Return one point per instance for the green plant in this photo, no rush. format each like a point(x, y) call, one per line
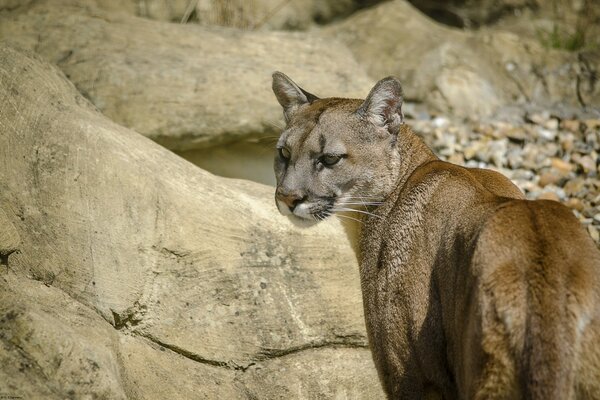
point(560, 39)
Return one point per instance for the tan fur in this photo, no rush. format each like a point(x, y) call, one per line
point(470, 291)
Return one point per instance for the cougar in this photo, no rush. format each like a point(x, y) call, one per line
point(470, 291)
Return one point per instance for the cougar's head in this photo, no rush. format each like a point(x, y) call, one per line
point(335, 155)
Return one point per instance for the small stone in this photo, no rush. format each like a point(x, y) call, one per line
point(549, 177)
point(546, 134)
point(567, 141)
point(570, 125)
point(484, 129)
point(575, 204)
point(590, 213)
point(592, 139)
point(592, 123)
point(471, 150)
point(456, 158)
point(539, 118)
point(594, 233)
point(587, 163)
point(549, 196)
point(523, 174)
point(551, 124)
point(516, 135)
point(514, 158)
point(574, 187)
point(440, 122)
point(561, 165)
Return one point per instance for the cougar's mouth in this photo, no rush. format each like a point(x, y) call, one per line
point(308, 211)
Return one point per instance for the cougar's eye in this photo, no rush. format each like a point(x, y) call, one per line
point(329, 160)
point(284, 153)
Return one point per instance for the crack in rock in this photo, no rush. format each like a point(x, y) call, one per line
point(265, 355)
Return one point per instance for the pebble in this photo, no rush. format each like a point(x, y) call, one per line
point(549, 177)
point(561, 165)
point(546, 157)
point(575, 204)
point(593, 231)
point(570, 125)
point(574, 186)
point(551, 124)
point(547, 134)
point(587, 163)
point(549, 196)
point(592, 123)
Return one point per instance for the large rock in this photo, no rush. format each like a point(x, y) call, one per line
point(141, 276)
point(255, 14)
point(184, 86)
point(275, 14)
point(465, 73)
point(471, 13)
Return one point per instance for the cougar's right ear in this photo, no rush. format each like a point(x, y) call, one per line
point(290, 95)
point(383, 106)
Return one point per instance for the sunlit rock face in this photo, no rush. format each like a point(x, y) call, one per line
point(139, 275)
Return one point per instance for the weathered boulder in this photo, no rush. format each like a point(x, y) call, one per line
point(255, 14)
point(141, 276)
point(465, 73)
point(162, 10)
point(185, 86)
point(275, 14)
point(470, 13)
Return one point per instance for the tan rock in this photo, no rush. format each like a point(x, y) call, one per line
point(184, 86)
point(592, 123)
point(567, 142)
point(593, 231)
point(549, 196)
point(193, 269)
point(563, 166)
point(587, 163)
point(575, 204)
point(465, 73)
point(571, 125)
point(549, 177)
point(574, 186)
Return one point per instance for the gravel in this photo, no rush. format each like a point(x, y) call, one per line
point(547, 156)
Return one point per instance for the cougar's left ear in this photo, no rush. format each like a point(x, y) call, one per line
point(290, 95)
point(383, 106)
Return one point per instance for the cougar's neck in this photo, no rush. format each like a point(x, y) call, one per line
point(412, 153)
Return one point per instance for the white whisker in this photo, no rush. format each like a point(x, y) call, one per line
point(337, 209)
point(345, 216)
point(362, 203)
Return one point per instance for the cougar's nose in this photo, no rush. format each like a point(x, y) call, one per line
point(290, 198)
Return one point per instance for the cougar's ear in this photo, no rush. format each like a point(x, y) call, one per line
point(290, 95)
point(383, 106)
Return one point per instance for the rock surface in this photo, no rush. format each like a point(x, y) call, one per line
point(141, 276)
point(9, 238)
point(243, 14)
point(465, 73)
point(183, 86)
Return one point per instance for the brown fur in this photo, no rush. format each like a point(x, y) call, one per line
point(469, 290)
